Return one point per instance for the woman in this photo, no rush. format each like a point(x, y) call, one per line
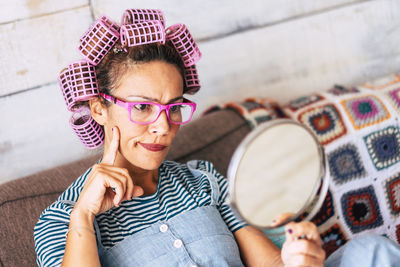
point(132, 207)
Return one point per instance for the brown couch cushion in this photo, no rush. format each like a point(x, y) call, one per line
point(212, 137)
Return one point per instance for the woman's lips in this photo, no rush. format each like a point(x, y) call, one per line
point(153, 147)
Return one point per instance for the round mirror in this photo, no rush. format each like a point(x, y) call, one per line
point(277, 172)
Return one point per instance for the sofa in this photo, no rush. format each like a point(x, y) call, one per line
point(357, 126)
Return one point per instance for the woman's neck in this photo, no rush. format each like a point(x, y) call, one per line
point(147, 179)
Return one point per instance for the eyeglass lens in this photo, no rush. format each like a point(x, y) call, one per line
point(143, 113)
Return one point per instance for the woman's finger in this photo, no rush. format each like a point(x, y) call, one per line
point(301, 260)
point(306, 247)
point(110, 152)
point(281, 218)
point(306, 230)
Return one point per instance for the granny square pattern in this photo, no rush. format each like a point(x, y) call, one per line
point(395, 97)
point(304, 101)
point(398, 233)
point(341, 90)
point(345, 164)
point(326, 211)
point(384, 147)
point(332, 239)
point(361, 209)
point(325, 121)
point(365, 111)
point(392, 191)
point(359, 130)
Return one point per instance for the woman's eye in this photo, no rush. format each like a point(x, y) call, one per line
point(141, 107)
point(176, 108)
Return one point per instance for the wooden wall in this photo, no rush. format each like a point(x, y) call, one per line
point(281, 49)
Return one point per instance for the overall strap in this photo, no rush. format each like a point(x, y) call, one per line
point(192, 165)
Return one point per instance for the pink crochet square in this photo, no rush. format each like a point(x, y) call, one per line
point(184, 44)
point(142, 33)
point(86, 128)
point(132, 16)
point(99, 39)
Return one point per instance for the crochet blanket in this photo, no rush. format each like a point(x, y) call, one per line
point(359, 130)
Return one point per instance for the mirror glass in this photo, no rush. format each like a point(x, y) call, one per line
point(276, 170)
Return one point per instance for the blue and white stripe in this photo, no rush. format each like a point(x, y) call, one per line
point(178, 191)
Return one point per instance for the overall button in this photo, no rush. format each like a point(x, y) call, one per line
point(163, 228)
point(178, 243)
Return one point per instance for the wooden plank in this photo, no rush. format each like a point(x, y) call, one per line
point(347, 46)
point(34, 51)
point(23, 9)
point(36, 134)
point(210, 19)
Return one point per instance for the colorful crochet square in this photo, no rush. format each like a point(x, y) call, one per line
point(255, 112)
point(341, 90)
point(395, 97)
point(392, 192)
point(384, 147)
point(398, 233)
point(333, 239)
point(325, 122)
point(304, 101)
point(365, 111)
point(361, 210)
point(383, 83)
point(326, 211)
point(345, 164)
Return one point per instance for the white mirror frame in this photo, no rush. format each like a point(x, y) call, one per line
point(238, 155)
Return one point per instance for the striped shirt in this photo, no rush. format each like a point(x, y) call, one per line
point(177, 191)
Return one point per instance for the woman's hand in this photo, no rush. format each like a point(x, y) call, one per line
point(107, 185)
point(303, 245)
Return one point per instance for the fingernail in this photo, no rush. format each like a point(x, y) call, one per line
point(112, 129)
point(290, 231)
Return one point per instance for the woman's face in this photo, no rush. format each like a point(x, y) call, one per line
point(158, 82)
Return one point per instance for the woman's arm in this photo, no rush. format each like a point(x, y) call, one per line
point(81, 247)
point(256, 249)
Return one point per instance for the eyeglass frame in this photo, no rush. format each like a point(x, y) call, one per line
point(129, 105)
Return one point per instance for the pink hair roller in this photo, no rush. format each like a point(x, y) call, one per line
point(64, 81)
point(141, 33)
point(83, 80)
point(99, 39)
point(192, 81)
point(88, 130)
point(184, 44)
point(132, 16)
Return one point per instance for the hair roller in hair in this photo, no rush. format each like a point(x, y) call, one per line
point(64, 81)
point(86, 128)
point(99, 39)
point(184, 44)
point(132, 16)
point(142, 33)
point(83, 80)
point(192, 82)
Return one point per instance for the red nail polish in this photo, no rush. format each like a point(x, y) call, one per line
point(290, 231)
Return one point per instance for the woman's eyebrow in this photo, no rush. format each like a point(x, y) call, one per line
point(156, 100)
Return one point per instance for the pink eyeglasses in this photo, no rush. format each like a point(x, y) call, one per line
point(148, 112)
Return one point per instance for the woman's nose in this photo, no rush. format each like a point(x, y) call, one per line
point(161, 126)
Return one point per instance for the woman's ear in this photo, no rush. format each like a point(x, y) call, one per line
point(98, 110)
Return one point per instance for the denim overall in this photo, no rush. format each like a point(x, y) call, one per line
point(197, 237)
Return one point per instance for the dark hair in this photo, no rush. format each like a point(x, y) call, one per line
point(115, 65)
